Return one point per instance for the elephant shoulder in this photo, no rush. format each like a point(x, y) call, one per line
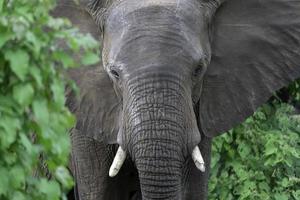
point(96, 107)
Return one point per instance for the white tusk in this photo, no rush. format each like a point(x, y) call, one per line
point(198, 159)
point(117, 163)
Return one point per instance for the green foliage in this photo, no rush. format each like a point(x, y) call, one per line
point(33, 118)
point(259, 159)
point(294, 91)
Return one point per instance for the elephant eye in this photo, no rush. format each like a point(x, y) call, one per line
point(198, 70)
point(114, 73)
point(114, 70)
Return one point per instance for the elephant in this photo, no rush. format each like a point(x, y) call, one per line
point(173, 75)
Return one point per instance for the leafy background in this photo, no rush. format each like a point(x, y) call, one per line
point(260, 159)
point(257, 160)
point(35, 51)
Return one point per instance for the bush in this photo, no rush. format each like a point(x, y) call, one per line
point(34, 120)
point(260, 159)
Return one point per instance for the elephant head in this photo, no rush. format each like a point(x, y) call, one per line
point(180, 69)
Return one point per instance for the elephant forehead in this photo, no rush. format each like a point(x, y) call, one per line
point(136, 4)
point(156, 30)
point(187, 13)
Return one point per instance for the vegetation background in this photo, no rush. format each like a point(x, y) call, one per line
point(257, 160)
point(260, 159)
point(35, 51)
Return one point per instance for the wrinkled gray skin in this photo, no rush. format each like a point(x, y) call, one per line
point(175, 74)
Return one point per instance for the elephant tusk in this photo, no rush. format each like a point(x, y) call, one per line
point(117, 163)
point(198, 159)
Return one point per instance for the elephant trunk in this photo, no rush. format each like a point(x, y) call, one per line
point(157, 150)
point(160, 177)
point(158, 129)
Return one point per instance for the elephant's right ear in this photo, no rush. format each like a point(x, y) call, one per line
point(97, 108)
point(255, 51)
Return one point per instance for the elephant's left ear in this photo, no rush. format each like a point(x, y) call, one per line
point(255, 51)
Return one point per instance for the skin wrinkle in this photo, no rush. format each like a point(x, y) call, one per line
point(151, 142)
point(136, 114)
point(144, 87)
point(146, 102)
point(150, 163)
point(139, 96)
point(166, 187)
point(153, 129)
point(143, 155)
point(146, 130)
point(139, 138)
point(142, 145)
point(161, 38)
point(163, 41)
point(142, 122)
point(160, 112)
point(168, 79)
point(136, 100)
point(158, 96)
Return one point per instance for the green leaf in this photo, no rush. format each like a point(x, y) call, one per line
point(296, 194)
point(5, 35)
point(58, 91)
point(4, 183)
point(18, 196)
point(215, 159)
point(285, 182)
point(264, 186)
point(8, 131)
point(29, 147)
point(87, 42)
point(17, 177)
point(7, 104)
point(1, 7)
point(90, 58)
point(64, 58)
point(270, 148)
point(244, 150)
point(23, 94)
point(19, 62)
point(50, 188)
point(36, 74)
point(64, 177)
point(40, 110)
point(281, 196)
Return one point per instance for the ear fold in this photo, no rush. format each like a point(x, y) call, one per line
point(256, 50)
